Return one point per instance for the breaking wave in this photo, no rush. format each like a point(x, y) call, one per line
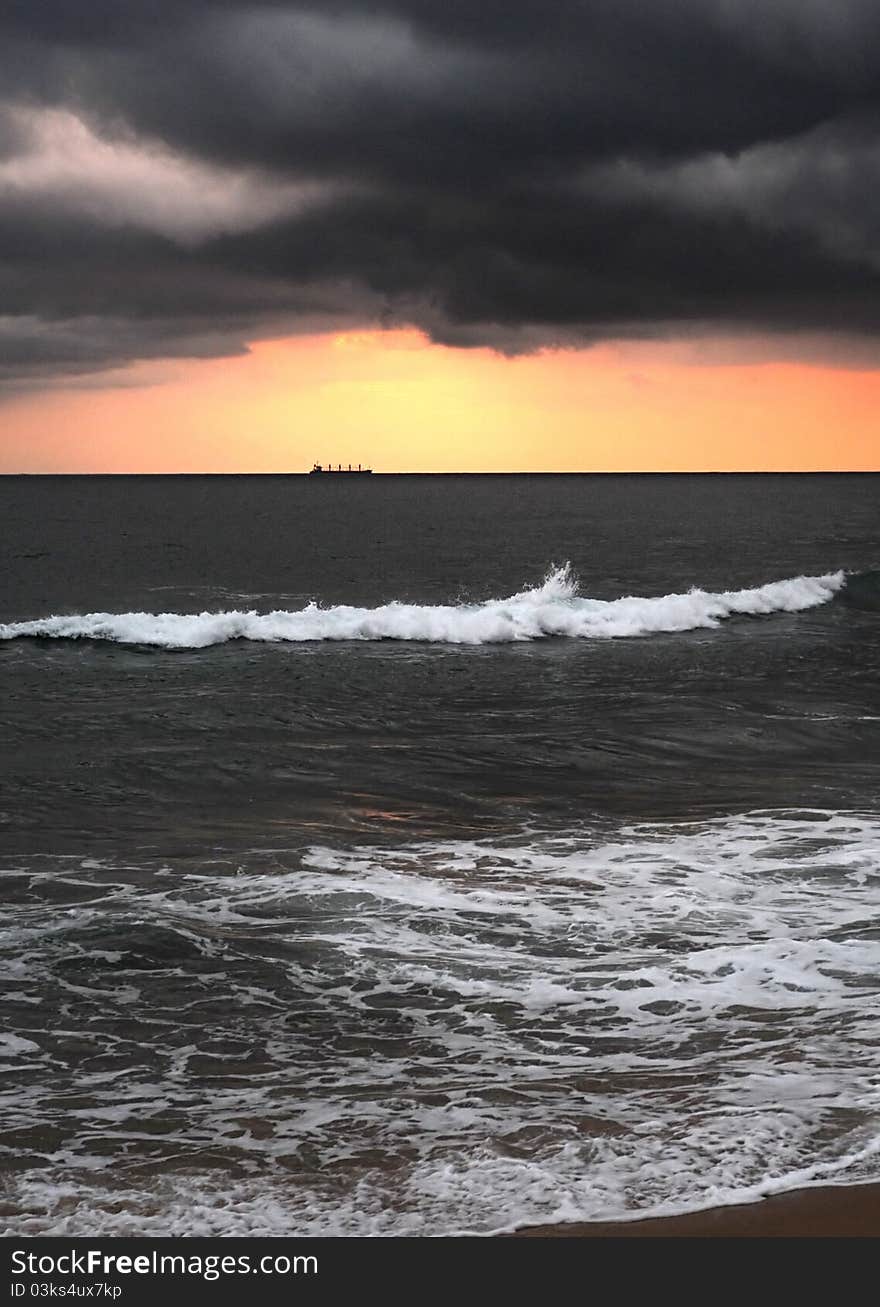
point(554, 608)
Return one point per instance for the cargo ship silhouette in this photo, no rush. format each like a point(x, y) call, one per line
point(320, 470)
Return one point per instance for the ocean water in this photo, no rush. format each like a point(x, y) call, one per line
point(418, 855)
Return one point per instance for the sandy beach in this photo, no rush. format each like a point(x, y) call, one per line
point(832, 1212)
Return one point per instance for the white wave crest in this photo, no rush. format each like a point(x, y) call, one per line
point(552, 609)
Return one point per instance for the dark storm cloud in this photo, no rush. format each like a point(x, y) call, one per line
point(511, 173)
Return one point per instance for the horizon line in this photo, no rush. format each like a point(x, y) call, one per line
point(598, 472)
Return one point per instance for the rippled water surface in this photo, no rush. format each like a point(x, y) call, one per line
point(368, 870)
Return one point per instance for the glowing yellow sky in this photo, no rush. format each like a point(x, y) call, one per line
point(402, 404)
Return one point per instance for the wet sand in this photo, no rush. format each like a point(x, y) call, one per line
point(831, 1212)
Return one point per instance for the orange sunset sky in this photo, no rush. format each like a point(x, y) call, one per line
point(233, 236)
point(401, 403)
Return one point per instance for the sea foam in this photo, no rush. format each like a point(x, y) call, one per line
point(471, 1035)
point(554, 608)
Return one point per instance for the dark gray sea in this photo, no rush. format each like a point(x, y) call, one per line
point(418, 855)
